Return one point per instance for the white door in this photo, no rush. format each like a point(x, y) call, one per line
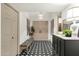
point(8, 31)
point(41, 30)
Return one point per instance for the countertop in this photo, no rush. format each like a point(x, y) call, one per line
point(67, 38)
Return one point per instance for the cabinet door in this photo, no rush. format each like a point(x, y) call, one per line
point(59, 46)
point(53, 41)
point(62, 47)
point(56, 44)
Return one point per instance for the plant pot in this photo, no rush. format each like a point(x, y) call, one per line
point(30, 34)
point(68, 35)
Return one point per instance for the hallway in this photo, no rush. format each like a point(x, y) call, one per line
point(40, 48)
point(39, 29)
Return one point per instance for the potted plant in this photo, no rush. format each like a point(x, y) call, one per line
point(67, 32)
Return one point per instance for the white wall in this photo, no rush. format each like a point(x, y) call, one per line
point(23, 27)
point(0, 28)
point(55, 24)
point(55, 17)
point(49, 31)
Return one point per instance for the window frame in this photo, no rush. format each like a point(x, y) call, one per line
point(74, 17)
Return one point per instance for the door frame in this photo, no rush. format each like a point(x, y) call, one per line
point(17, 24)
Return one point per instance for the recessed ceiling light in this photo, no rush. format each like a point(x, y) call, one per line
point(40, 16)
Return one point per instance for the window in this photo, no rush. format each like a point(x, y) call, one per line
point(72, 14)
point(70, 19)
point(75, 12)
point(69, 13)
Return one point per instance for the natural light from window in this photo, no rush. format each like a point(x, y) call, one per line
point(72, 14)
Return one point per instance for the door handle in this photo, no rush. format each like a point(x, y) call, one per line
point(12, 37)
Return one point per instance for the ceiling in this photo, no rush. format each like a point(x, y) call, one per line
point(39, 7)
point(48, 10)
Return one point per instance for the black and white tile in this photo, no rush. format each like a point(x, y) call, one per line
point(40, 48)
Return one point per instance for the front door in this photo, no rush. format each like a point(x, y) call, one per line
point(41, 30)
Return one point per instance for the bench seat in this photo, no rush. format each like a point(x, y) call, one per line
point(26, 45)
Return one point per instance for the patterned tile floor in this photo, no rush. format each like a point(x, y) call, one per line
point(40, 48)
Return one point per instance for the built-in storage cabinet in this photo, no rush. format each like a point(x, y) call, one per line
point(58, 45)
point(62, 49)
point(65, 47)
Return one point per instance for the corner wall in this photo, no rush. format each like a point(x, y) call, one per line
point(55, 24)
point(23, 27)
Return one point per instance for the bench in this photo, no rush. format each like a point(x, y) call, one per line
point(26, 45)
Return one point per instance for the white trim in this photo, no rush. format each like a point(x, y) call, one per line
point(0, 29)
